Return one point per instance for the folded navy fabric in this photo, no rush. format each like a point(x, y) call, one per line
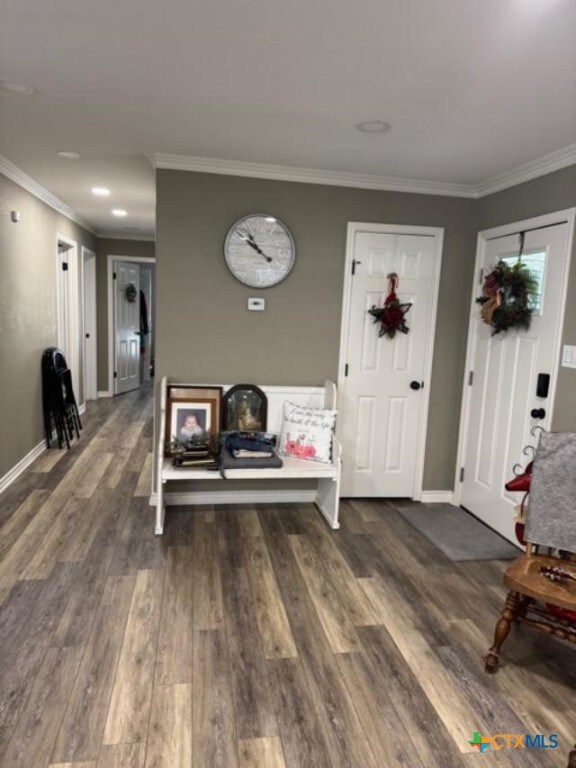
point(228, 461)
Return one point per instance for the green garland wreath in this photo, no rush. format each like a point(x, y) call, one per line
point(507, 297)
point(131, 293)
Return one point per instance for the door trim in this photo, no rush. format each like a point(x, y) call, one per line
point(355, 227)
point(566, 216)
point(111, 321)
point(71, 316)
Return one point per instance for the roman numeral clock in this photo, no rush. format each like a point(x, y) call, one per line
point(259, 250)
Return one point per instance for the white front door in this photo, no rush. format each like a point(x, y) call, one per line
point(384, 387)
point(508, 373)
point(127, 326)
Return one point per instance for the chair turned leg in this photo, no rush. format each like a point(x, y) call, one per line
point(572, 758)
point(501, 632)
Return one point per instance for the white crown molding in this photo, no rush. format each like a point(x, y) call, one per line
point(140, 236)
point(18, 176)
point(309, 175)
point(555, 161)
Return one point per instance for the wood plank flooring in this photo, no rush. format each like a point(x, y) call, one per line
point(246, 636)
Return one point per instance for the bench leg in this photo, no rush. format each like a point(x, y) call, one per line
point(160, 509)
point(327, 500)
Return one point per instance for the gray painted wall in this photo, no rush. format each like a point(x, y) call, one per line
point(205, 333)
point(111, 247)
point(553, 192)
point(27, 313)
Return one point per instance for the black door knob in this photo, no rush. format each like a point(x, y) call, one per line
point(537, 413)
point(415, 385)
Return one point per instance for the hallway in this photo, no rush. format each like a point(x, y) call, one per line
point(246, 637)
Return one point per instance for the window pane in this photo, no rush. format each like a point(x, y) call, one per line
point(536, 262)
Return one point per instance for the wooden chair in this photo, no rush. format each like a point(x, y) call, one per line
point(542, 582)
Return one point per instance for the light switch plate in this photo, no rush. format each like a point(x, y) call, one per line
point(256, 304)
point(568, 356)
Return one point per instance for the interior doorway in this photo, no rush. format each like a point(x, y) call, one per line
point(384, 383)
point(89, 330)
point(68, 310)
point(130, 323)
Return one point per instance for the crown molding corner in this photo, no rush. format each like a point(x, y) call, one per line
point(555, 161)
point(18, 176)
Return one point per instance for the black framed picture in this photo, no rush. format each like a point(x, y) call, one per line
point(245, 408)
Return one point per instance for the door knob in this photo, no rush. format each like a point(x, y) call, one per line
point(416, 384)
point(537, 413)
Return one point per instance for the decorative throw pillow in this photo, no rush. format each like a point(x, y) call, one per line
point(307, 433)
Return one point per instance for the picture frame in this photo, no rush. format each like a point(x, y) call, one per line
point(192, 412)
point(244, 408)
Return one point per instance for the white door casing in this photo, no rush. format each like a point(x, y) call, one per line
point(90, 324)
point(69, 308)
point(127, 327)
point(382, 421)
point(496, 418)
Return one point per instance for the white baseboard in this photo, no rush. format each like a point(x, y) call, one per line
point(23, 464)
point(437, 497)
point(82, 409)
point(237, 497)
point(104, 393)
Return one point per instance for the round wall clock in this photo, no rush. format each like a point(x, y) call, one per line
point(259, 250)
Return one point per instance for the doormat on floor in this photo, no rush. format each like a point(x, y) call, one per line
point(457, 533)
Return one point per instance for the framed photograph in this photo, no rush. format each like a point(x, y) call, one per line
point(193, 413)
point(245, 408)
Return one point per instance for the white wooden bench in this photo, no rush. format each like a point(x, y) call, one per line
point(325, 494)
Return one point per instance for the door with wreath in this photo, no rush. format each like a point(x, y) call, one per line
point(389, 313)
point(126, 326)
point(512, 363)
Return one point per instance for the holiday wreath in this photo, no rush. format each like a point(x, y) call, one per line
point(131, 292)
point(507, 296)
point(391, 315)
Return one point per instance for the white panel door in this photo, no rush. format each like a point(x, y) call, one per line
point(505, 376)
point(90, 363)
point(127, 327)
point(380, 420)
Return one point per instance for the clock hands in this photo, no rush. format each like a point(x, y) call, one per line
point(249, 239)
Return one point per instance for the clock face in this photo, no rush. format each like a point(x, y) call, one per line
point(259, 250)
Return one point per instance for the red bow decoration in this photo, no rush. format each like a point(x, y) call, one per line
point(391, 315)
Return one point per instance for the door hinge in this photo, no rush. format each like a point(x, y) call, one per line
point(354, 262)
point(346, 370)
point(115, 374)
point(481, 276)
point(471, 378)
point(64, 266)
point(461, 474)
point(114, 275)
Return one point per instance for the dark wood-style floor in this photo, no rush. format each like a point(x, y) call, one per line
point(251, 637)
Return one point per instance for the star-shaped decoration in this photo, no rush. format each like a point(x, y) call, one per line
point(391, 316)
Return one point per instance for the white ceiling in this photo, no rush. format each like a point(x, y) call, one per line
point(472, 88)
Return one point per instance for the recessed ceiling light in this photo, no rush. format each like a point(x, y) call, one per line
point(100, 191)
point(120, 212)
point(373, 126)
point(67, 154)
point(20, 88)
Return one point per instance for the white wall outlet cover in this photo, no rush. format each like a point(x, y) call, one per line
point(256, 304)
point(568, 356)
